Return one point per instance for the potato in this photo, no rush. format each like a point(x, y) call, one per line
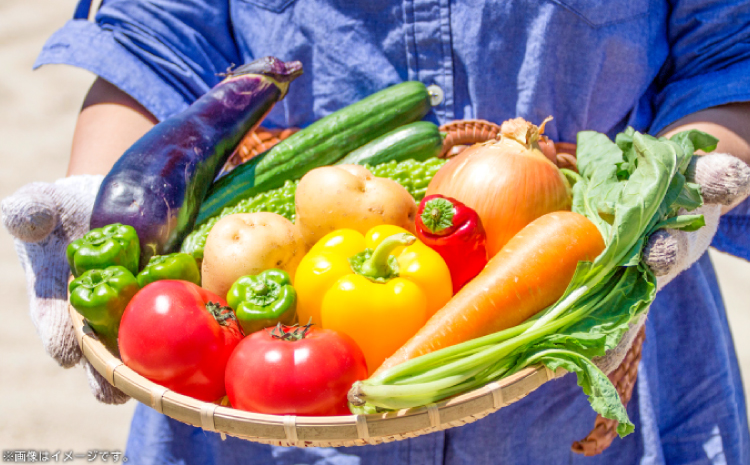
point(246, 244)
point(349, 196)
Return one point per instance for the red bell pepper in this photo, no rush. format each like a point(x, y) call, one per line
point(455, 232)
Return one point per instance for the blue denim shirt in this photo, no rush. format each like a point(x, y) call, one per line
point(592, 64)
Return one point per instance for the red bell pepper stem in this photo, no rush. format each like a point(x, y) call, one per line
point(455, 232)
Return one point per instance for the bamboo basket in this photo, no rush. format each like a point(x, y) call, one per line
point(299, 431)
point(359, 430)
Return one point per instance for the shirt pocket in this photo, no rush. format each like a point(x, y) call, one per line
point(599, 13)
point(276, 6)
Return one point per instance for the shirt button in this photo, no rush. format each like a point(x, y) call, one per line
point(436, 94)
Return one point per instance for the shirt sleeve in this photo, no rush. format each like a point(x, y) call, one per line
point(163, 53)
point(709, 59)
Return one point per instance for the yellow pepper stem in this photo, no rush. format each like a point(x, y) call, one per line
point(377, 265)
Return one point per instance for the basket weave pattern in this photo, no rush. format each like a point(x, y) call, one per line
point(357, 430)
point(290, 430)
point(255, 143)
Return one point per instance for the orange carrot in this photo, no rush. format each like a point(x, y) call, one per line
point(530, 273)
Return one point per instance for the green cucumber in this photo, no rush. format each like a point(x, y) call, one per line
point(322, 143)
point(419, 141)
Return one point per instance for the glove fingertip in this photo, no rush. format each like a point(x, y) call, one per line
point(59, 341)
point(101, 389)
point(68, 358)
point(663, 251)
point(724, 179)
point(29, 216)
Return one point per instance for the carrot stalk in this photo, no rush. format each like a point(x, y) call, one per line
point(569, 300)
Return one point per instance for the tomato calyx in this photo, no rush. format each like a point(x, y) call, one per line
point(290, 333)
point(221, 313)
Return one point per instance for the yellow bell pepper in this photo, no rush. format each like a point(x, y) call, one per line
point(379, 289)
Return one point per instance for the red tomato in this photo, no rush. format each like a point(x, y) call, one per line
point(306, 376)
point(168, 335)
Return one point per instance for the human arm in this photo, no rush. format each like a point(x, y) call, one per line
point(151, 54)
point(110, 121)
point(724, 181)
point(702, 85)
point(729, 123)
point(44, 217)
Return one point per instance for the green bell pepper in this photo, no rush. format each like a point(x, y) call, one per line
point(101, 297)
point(263, 300)
point(173, 266)
point(114, 244)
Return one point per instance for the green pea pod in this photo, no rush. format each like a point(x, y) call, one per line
point(114, 244)
point(263, 300)
point(173, 266)
point(101, 296)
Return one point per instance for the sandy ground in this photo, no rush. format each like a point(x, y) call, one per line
point(43, 407)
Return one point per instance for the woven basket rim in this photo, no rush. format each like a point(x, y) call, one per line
point(309, 431)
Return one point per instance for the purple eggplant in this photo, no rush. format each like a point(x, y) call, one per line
point(158, 184)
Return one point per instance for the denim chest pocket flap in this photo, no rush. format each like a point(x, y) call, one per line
point(276, 6)
point(599, 13)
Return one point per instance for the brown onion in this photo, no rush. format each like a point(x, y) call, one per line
point(509, 181)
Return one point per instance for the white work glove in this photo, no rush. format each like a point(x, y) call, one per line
point(724, 181)
point(43, 219)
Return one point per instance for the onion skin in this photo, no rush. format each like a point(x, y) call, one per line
point(508, 182)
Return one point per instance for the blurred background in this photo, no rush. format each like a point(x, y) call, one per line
point(42, 406)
